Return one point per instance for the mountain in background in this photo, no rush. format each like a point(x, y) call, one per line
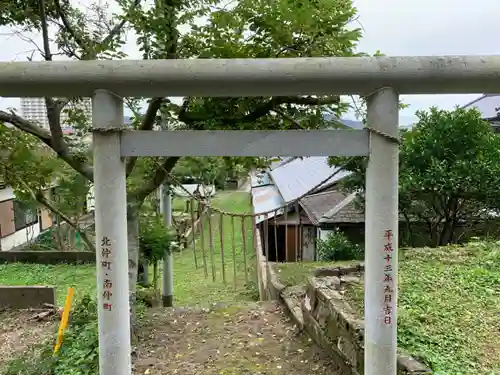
point(404, 121)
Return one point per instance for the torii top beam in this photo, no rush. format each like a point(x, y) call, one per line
point(252, 77)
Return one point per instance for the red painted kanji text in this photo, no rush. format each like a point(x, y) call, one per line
point(388, 281)
point(106, 264)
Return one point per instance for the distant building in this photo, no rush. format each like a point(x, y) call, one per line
point(19, 223)
point(489, 106)
point(34, 109)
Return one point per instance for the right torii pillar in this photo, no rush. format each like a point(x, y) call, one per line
point(381, 239)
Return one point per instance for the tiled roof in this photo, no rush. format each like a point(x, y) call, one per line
point(318, 206)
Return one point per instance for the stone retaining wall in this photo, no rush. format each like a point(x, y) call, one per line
point(321, 310)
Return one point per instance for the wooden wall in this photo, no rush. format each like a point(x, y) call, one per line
point(7, 225)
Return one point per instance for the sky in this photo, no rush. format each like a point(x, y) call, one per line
point(396, 28)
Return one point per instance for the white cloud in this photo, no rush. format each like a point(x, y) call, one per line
point(395, 27)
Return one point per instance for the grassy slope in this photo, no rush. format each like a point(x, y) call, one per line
point(62, 276)
point(297, 273)
point(449, 308)
point(190, 285)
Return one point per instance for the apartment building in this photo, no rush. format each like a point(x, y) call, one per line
point(34, 109)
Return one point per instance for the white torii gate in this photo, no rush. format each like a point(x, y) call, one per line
point(381, 79)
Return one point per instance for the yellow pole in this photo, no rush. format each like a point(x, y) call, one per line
point(64, 319)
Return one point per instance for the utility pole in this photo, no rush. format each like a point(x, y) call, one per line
point(168, 261)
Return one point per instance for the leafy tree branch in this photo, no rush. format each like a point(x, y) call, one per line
point(61, 149)
point(448, 172)
point(256, 113)
point(40, 198)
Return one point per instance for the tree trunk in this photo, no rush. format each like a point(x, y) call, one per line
point(58, 236)
point(434, 234)
point(447, 232)
point(145, 273)
point(133, 259)
point(409, 235)
point(155, 275)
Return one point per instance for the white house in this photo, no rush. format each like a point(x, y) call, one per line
point(19, 224)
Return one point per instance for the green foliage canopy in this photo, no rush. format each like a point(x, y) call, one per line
point(449, 171)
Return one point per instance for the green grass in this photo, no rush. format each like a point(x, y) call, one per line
point(291, 274)
point(62, 276)
point(449, 305)
point(179, 204)
point(449, 308)
point(190, 285)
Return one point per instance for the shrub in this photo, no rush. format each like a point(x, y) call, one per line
point(337, 247)
point(79, 354)
point(154, 240)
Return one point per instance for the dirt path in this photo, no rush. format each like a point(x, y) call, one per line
point(252, 339)
point(18, 334)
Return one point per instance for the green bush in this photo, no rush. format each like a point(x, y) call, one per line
point(337, 247)
point(79, 354)
point(154, 240)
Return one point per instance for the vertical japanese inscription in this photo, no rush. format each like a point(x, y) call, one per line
point(106, 263)
point(388, 282)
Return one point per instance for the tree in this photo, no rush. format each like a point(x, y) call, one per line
point(32, 170)
point(449, 172)
point(213, 29)
point(216, 170)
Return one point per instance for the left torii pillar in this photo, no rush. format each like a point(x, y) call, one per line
point(111, 236)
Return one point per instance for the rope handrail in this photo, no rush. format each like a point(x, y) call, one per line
point(177, 183)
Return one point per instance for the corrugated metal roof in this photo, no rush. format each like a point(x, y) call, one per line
point(281, 161)
point(301, 175)
point(266, 198)
point(486, 104)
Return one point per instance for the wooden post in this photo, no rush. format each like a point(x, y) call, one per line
point(244, 238)
point(221, 234)
point(211, 243)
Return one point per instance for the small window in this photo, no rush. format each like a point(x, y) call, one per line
point(24, 215)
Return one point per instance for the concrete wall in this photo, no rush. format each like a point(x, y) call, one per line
point(26, 297)
point(20, 237)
